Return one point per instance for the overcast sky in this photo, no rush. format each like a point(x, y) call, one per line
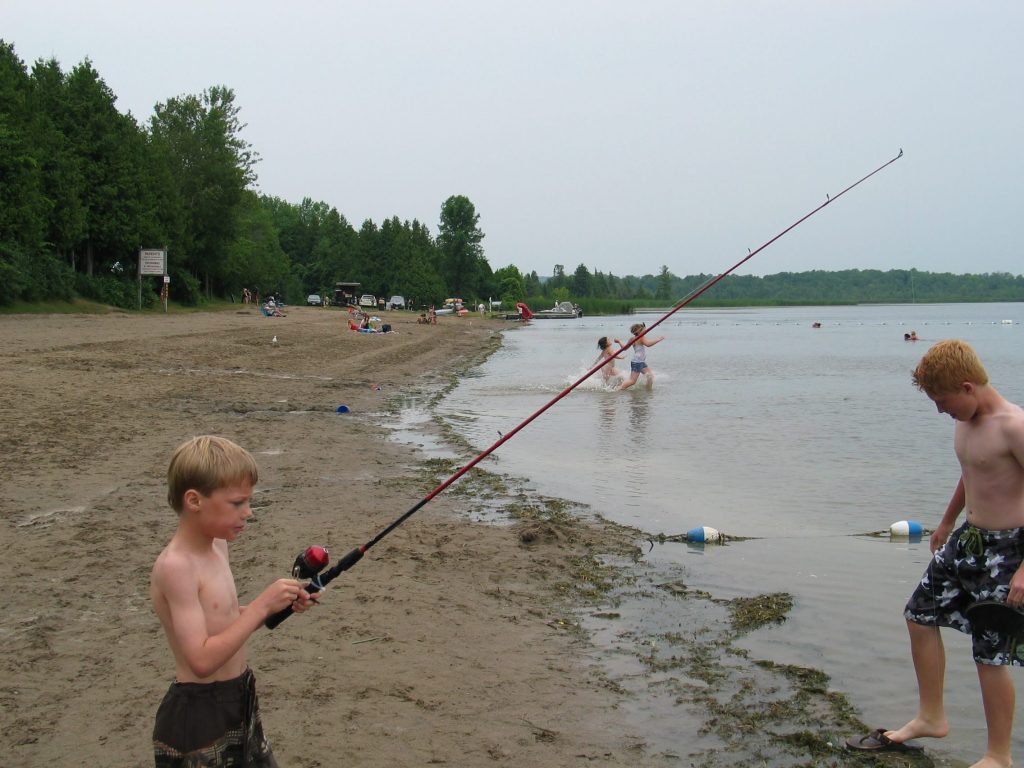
point(622, 135)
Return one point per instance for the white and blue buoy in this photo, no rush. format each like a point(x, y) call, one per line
point(906, 528)
point(703, 535)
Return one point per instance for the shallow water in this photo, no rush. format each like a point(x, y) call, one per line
point(760, 425)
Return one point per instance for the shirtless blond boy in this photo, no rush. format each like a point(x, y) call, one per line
point(980, 560)
point(210, 715)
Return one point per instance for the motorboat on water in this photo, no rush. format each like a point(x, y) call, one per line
point(563, 310)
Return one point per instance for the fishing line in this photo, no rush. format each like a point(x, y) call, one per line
point(319, 581)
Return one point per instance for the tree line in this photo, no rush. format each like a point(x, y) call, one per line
point(850, 286)
point(83, 187)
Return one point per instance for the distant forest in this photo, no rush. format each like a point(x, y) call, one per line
point(851, 286)
point(84, 187)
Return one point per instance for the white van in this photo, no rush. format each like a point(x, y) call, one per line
point(366, 300)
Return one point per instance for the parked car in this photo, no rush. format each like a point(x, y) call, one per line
point(366, 300)
point(314, 300)
point(397, 302)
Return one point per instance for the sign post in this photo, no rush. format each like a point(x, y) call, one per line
point(153, 261)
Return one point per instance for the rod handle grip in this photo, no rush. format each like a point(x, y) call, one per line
point(274, 619)
point(317, 584)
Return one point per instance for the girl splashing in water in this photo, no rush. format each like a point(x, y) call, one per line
point(638, 364)
point(609, 371)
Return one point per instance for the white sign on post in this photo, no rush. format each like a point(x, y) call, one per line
point(152, 261)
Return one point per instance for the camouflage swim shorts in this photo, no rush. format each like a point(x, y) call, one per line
point(974, 565)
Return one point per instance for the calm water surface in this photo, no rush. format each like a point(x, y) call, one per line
point(760, 425)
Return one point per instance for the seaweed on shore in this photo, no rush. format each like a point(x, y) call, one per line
point(743, 711)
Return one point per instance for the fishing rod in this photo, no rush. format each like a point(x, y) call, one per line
point(309, 563)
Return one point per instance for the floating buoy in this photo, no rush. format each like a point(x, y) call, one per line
point(341, 409)
point(906, 528)
point(1006, 322)
point(703, 535)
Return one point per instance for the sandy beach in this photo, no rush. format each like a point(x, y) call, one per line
point(443, 646)
point(451, 643)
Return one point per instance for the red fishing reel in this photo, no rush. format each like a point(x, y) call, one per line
point(309, 563)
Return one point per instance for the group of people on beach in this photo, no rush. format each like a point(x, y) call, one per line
point(637, 366)
point(210, 714)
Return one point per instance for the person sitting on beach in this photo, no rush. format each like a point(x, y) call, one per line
point(638, 364)
point(980, 560)
point(270, 310)
point(609, 371)
point(210, 714)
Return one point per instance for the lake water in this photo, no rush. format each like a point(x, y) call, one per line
point(760, 425)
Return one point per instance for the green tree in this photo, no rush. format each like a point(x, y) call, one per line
point(420, 282)
point(581, 282)
point(367, 256)
point(255, 257)
point(512, 287)
point(198, 138)
point(22, 203)
point(664, 289)
point(107, 145)
point(531, 284)
point(61, 167)
point(458, 239)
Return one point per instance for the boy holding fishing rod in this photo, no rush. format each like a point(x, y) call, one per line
point(210, 715)
point(979, 561)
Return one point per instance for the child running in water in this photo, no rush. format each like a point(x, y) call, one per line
point(609, 371)
point(210, 715)
point(638, 364)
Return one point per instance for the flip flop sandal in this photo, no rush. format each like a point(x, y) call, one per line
point(877, 741)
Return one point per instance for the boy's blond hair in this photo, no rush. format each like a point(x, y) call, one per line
point(206, 463)
point(946, 366)
point(636, 328)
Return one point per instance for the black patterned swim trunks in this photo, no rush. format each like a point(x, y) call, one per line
point(973, 565)
point(207, 725)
